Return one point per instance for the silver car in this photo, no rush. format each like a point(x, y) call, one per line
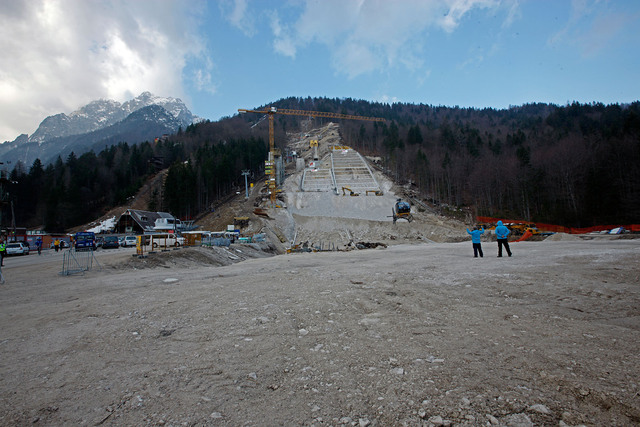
point(17, 248)
point(130, 241)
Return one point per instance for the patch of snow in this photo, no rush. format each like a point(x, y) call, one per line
point(106, 225)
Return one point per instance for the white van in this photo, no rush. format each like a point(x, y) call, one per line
point(165, 240)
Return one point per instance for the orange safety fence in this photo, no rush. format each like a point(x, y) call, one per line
point(560, 228)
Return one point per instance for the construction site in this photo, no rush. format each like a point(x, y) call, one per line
point(357, 309)
point(330, 198)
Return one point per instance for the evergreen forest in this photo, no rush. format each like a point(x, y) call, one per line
point(576, 165)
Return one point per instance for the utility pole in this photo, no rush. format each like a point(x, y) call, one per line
point(4, 195)
point(246, 187)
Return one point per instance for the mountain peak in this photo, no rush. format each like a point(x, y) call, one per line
point(100, 118)
point(101, 113)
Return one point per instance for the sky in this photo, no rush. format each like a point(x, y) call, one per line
point(218, 56)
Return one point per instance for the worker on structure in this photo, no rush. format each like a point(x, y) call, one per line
point(502, 232)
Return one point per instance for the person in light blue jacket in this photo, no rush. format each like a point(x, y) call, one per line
point(475, 240)
point(502, 233)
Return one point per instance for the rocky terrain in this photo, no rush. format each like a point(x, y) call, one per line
point(419, 334)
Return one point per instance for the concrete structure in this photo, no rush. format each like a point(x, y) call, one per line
point(343, 167)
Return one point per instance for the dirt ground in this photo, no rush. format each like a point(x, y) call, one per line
point(419, 334)
point(415, 332)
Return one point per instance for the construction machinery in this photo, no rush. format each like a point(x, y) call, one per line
point(401, 210)
point(518, 229)
point(270, 169)
point(376, 192)
point(533, 230)
point(351, 192)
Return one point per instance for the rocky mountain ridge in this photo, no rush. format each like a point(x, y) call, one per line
point(98, 124)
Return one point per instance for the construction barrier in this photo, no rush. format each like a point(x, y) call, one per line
point(559, 228)
point(74, 262)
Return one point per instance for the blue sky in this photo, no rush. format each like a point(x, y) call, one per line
point(218, 56)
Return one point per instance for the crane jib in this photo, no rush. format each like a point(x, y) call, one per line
point(290, 112)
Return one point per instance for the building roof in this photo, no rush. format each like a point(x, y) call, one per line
point(145, 219)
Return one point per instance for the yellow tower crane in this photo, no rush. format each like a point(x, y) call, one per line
point(272, 111)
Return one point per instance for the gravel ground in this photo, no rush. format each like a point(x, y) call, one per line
point(419, 334)
point(415, 332)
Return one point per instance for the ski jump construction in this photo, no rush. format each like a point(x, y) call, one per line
point(344, 168)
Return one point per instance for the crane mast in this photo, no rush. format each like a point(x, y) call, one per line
point(272, 111)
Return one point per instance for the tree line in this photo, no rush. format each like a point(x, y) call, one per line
point(204, 164)
point(575, 165)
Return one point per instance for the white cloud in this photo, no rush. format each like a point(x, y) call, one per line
point(59, 55)
point(236, 12)
point(353, 58)
point(513, 15)
point(456, 9)
point(386, 99)
point(282, 43)
point(203, 80)
point(593, 25)
point(365, 36)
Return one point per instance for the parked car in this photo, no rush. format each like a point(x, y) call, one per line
point(130, 241)
point(17, 248)
point(110, 242)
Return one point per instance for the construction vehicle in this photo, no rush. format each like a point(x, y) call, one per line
point(270, 169)
point(401, 210)
point(519, 228)
point(351, 192)
point(376, 192)
point(533, 230)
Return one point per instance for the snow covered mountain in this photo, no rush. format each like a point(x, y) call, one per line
point(93, 116)
point(98, 124)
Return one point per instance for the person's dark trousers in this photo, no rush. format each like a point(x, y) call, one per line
point(477, 249)
point(504, 242)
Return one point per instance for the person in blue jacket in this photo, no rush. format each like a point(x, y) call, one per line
point(475, 240)
point(502, 233)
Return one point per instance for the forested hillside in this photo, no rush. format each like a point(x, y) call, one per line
point(576, 165)
point(205, 163)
